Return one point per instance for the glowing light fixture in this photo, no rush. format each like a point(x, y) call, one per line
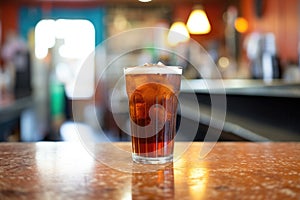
point(178, 33)
point(241, 24)
point(145, 0)
point(224, 62)
point(198, 22)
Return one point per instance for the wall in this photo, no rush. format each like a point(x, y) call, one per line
point(214, 11)
point(13, 14)
point(279, 17)
point(8, 18)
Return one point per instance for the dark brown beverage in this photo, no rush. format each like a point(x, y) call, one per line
point(152, 108)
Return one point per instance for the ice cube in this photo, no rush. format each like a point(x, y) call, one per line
point(160, 64)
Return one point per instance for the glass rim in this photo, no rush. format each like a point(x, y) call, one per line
point(154, 69)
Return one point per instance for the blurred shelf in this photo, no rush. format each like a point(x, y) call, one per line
point(250, 87)
point(269, 110)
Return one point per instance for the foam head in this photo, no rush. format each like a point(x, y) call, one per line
point(153, 69)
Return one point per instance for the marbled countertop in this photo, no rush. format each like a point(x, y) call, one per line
point(49, 170)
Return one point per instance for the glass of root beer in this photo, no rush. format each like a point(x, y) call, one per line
point(153, 91)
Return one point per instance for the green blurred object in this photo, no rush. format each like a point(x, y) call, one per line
point(57, 99)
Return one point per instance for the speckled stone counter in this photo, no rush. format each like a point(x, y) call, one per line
point(230, 171)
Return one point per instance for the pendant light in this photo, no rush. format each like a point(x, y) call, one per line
point(178, 33)
point(198, 22)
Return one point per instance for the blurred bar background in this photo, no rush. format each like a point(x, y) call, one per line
point(254, 44)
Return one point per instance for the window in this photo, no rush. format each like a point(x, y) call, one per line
point(72, 42)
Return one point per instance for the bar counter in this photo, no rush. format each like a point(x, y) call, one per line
point(232, 170)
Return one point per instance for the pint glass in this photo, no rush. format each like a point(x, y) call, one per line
point(153, 99)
